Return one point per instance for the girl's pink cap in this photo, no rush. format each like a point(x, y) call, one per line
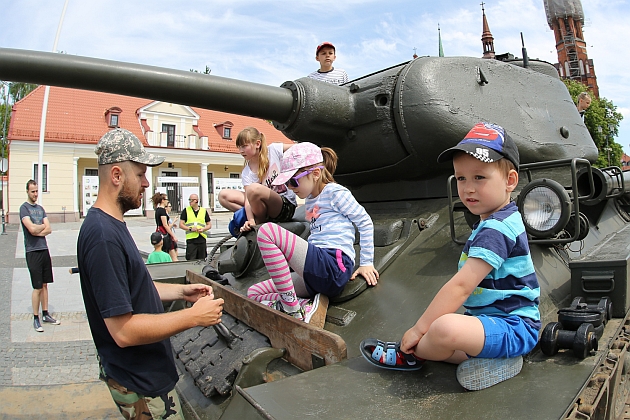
point(298, 156)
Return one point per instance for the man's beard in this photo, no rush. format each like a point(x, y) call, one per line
point(128, 200)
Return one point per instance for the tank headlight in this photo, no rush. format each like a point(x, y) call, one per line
point(545, 206)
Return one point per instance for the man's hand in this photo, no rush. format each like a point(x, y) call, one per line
point(207, 311)
point(193, 292)
point(368, 272)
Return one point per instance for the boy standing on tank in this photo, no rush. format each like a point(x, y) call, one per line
point(496, 281)
point(325, 55)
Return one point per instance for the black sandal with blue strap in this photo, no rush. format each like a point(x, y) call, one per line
point(387, 355)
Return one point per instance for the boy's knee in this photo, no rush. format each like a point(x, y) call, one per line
point(443, 329)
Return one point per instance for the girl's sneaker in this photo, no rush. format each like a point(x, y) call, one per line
point(277, 305)
point(315, 310)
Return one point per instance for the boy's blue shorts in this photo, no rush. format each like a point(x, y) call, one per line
point(506, 336)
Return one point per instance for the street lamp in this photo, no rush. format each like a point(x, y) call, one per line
point(4, 163)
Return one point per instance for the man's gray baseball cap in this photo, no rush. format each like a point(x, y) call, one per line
point(120, 145)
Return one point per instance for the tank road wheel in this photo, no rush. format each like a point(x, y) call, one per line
point(549, 338)
point(582, 341)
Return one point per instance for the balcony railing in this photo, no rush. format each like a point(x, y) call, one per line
point(191, 141)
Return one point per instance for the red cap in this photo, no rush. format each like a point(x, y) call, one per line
point(324, 44)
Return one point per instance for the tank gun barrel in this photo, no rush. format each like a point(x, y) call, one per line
point(387, 127)
point(176, 86)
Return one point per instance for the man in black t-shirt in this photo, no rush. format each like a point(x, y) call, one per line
point(123, 304)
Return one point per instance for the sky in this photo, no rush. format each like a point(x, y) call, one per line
point(273, 41)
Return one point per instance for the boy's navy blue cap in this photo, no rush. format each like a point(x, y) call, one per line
point(156, 238)
point(487, 142)
point(324, 44)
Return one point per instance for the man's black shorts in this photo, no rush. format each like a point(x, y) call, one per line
point(40, 267)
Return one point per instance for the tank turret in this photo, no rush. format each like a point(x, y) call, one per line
point(387, 127)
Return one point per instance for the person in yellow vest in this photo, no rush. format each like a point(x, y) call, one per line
point(195, 221)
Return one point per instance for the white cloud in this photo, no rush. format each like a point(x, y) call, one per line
point(273, 41)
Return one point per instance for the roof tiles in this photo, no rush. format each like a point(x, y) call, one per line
point(78, 116)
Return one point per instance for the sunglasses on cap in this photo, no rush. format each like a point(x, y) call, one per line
point(293, 181)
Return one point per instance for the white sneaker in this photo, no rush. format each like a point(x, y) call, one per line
point(478, 373)
point(37, 325)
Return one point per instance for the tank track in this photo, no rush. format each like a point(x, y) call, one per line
point(607, 394)
point(211, 360)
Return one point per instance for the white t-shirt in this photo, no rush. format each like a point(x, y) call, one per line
point(335, 76)
point(275, 163)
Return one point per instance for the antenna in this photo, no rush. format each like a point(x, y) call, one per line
point(525, 58)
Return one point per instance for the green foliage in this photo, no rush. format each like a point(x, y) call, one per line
point(602, 121)
point(5, 120)
point(19, 90)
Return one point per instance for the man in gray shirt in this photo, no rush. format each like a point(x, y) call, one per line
point(36, 226)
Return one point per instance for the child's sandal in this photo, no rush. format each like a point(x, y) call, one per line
point(387, 355)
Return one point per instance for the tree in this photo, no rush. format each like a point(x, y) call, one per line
point(5, 119)
point(602, 121)
point(19, 90)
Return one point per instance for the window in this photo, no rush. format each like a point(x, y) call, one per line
point(169, 129)
point(111, 116)
point(91, 172)
point(235, 176)
point(224, 129)
point(44, 186)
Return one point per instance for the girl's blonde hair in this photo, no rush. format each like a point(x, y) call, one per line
point(249, 135)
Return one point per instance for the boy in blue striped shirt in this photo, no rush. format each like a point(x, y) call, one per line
point(496, 281)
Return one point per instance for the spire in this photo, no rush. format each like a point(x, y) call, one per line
point(487, 39)
point(441, 51)
point(566, 18)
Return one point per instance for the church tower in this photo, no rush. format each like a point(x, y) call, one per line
point(486, 37)
point(565, 18)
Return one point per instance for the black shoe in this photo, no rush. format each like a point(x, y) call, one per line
point(37, 325)
point(49, 319)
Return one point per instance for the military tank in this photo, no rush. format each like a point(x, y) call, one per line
point(388, 129)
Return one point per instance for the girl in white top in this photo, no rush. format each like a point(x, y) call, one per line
point(262, 201)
